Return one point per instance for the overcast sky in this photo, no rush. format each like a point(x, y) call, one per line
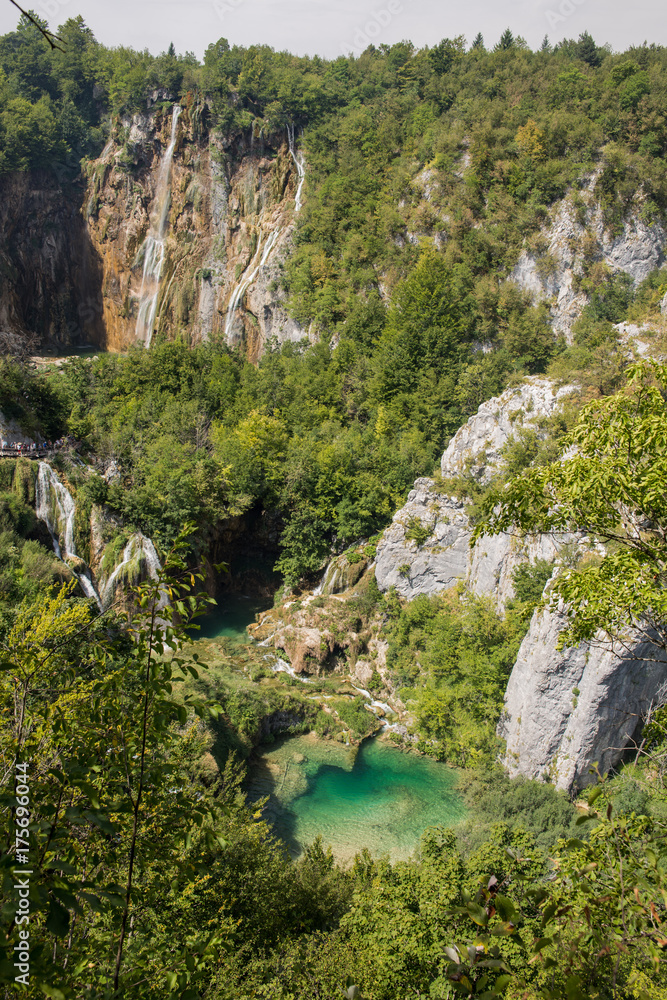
point(329, 27)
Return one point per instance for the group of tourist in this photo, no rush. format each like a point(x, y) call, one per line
point(32, 446)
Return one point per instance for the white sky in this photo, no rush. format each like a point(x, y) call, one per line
point(329, 27)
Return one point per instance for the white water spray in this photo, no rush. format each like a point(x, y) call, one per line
point(55, 506)
point(248, 279)
point(300, 168)
point(153, 246)
point(138, 550)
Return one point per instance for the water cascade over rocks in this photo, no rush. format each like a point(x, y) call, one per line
point(300, 168)
point(139, 550)
point(248, 279)
point(262, 252)
point(55, 506)
point(153, 246)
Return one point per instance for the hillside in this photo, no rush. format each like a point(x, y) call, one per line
point(297, 333)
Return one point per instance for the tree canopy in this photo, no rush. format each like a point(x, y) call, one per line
point(610, 486)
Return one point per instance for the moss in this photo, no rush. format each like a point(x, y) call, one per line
point(25, 474)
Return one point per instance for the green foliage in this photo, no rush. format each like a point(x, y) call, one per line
point(451, 656)
point(530, 579)
point(358, 719)
point(611, 489)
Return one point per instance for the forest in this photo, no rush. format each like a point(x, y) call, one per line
point(154, 876)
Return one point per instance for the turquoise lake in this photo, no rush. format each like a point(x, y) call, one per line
point(373, 796)
point(230, 619)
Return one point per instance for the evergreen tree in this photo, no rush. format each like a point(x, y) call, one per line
point(506, 40)
point(478, 42)
point(587, 50)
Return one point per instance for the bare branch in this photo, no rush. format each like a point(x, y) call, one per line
point(51, 38)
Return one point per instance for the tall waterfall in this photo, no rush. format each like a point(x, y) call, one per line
point(138, 550)
point(262, 255)
point(153, 246)
point(300, 167)
point(248, 279)
point(55, 506)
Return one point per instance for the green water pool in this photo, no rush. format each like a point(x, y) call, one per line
point(374, 796)
point(230, 619)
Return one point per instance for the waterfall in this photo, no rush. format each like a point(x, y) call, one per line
point(153, 245)
point(248, 279)
point(373, 703)
point(300, 168)
point(139, 549)
point(55, 506)
point(262, 255)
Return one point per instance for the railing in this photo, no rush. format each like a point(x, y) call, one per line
point(28, 452)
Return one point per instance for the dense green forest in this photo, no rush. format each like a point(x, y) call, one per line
point(154, 878)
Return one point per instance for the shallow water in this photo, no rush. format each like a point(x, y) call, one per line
point(231, 617)
point(374, 796)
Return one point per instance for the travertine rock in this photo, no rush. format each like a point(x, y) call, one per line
point(479, 441)
point(568, 710)
point(637, 251)
point(71, 246)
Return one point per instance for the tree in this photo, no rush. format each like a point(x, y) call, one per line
point(609, 485)
point(478, 41)
point(506, 40)
point(105, 734)
point(587, 50)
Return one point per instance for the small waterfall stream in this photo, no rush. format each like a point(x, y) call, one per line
point(138, 549)
point(153, 246)
point(55, 506)
point(300, 168)
point(248, 279)
point(262, 255)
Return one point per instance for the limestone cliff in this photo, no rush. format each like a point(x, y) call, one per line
point(74, 246)
point(426, 548)
point(576, 235)
point(568, 710)
point(565, 711)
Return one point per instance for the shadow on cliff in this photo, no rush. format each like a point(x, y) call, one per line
point(53, 277)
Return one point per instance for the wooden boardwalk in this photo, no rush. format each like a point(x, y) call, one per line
point(27, 452)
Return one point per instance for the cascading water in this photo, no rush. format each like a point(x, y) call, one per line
point(300, 168)
point(55, 506)
point(246, 281)
point(139, 550)
point(153, 246)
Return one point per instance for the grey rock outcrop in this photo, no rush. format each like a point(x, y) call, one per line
point(478, 443)
point(440, 560)
point(427, 547)
point(637, 251)
point(568, 710)
point(444, 558)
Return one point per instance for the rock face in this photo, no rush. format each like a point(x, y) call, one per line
point(73, 245)
point(426, 548)
point(444, 558)
point(571, 238)
point(478, 443)
point(568, 710)
point(51, 290)
point(431, 566)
